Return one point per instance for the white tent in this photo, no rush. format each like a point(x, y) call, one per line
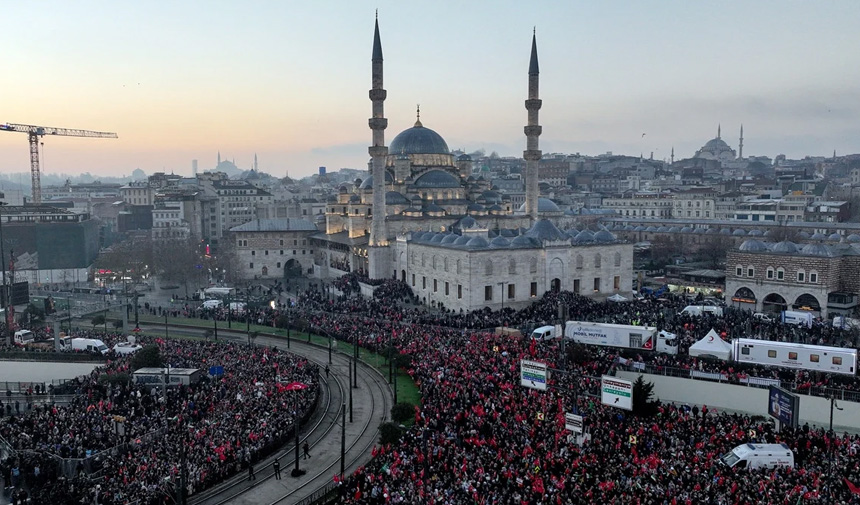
point(712, 346)
point(617, 298)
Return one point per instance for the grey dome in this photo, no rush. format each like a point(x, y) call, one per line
point(499, 242)
point(494, 208)
point(491, 196)
point(686, 229)
point(545, 230)
point(752, 245)
point(725, 231)
point(662, 229)
point(817, 250)
point(450, 238)
point(755, 233)
point(766, 233)
point(739, 233)
point(522, 241)
point(544, 205)
point(629, 227)
point(785, 246)
point(710, 231)
point(505, 232)
point(395, 198)
point(437, 179)
point(652, 229)
point(411, 210)
point(673, 229)
point(418, 140)
point(604, 236)
point(583, 237)
point(803, 234)
point(640, 228)
point(432, 207)
point(468, 223)
point(368, 183)
point(853, 238)
point(475, 207)
point(437, 239)
point(835, 237)
point(462, 240)
point(418, 235)
point(818, 236)
point(464, 157)
point(354, 199)
point(477, 242)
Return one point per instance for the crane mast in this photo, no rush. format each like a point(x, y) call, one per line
point(34, 133)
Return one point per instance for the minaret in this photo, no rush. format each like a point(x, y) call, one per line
point(255, 162)
point(673, 155)
point(378, 151)
point(219, 159)
point(741, 144)
point(718, 130)
point(533, 130)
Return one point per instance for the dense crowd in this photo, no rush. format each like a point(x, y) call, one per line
point(119, 443)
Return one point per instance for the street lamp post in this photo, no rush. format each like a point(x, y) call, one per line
point(832, 406)
point(165, 325)
point(502, 294)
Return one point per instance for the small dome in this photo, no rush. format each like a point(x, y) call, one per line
point(437, 239)
point(463, 240)
point(495, 209)
point(437, 179)
point(766, 233)
point(475, 207)
point(500, 242)
point(368, 183)
point(818, 236)
point(739, 233)
point(411, 211)
point(604, 236)
point(640, 228)
point(817, 250)
point(477, 242)
point(522, 241)
point(835, 237)
point(662, 229)
point(432, 207)
point(853, 238)
point(725, 231)
point(785, 247)
point(354, 199)
point(544, 205)
point(417, 236)
point(711, 231)
point(418, 140)
point(652, 229)
point(583, 237)
point(674, 229)
point(467, 223)
point(752, 245)
point(464, 157)
point(629, 227)
point(450, 238)
point(504, 232)
point(755, 233)
point(545, 230)
point(803, 235)
point(686, 229)
point(395, 198)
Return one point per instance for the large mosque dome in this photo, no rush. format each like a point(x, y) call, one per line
point(418, 140)
point(716, 149)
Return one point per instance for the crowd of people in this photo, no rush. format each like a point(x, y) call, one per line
point(118, 442)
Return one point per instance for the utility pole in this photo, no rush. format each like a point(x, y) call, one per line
point(165, 325)
point(832, 406)
point(342, 439)
point(296, 423)
point(355, 363)
point(350, 394)
point(5, 293)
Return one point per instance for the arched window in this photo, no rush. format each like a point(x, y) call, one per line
point(579, 262)
point(512, 266)
point(423, 259)
point(780, 274)
point(434, 262)
point(533, 266)
point(750, 271)
point(801, 276)
point(739, 270)
point(597, 260)
point(488, 267)
point(445, 263)
point(458, 267)
point(617, 259)
point(813, 277)
point(770, 272)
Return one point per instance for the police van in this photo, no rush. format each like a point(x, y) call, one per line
point(754, 456)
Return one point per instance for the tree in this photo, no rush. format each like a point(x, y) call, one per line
point(129, 261)
point(98, 320)
point(389, 433)
point(714, 250)
point(148, 357)
point(402, 412)
point(643, 403)
point(180, 262)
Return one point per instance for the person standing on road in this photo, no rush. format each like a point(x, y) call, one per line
point(277, 467)
point(306, 449)
point(251, 475)
point(326, 371)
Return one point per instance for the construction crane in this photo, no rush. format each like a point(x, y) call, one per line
point(34, 133)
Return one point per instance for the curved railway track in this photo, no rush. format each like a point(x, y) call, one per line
point(322, 432)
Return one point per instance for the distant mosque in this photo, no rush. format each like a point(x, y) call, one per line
point(717, 149)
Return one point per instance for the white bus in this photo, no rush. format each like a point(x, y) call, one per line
point(791, 355)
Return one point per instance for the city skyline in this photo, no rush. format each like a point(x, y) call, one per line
point(185, 81)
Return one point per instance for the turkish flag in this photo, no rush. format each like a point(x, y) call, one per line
point(295, 386)
point(648, 344)
point(851, 487)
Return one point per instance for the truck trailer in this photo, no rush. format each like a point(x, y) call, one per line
point(645, 338)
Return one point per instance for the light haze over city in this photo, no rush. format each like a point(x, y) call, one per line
point(289, 81)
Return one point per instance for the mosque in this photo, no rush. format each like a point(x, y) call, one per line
point(422, 217)
point(717, 149)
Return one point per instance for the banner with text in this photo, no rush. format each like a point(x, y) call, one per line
point(616, 392)
point(533, 374)
point(573, 422)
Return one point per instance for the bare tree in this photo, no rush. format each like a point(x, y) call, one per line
point(181, 262)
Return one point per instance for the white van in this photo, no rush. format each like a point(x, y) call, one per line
point(212, 304)
point(89, 345)
point(127, 348)
point(754, 456)
point(698, 310)
point(797, 317)
point(24, 337)
point(761, 316)
point(544, 333)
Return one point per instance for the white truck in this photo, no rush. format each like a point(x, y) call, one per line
point(93, 345)
point(645, 338)
point(754, 456)
point(796, 317)
point(546, 333)
point(23, 337)
point(215, 292)
point(698, 310)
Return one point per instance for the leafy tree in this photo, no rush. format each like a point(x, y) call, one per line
point(389, 433)
point(402, 412)
point(98, 320)
point(148, 357)
point(643, 394)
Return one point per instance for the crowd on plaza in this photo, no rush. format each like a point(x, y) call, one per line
point(120, 443)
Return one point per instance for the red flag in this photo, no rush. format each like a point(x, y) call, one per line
point(648, 344)
point(532, 347)
point(295, 386)
point(851, 487)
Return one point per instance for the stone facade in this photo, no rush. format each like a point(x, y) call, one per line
point(273, 248)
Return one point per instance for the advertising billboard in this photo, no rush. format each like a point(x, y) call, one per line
point(783, 406)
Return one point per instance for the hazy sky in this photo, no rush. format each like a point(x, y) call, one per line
point(181, 80)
